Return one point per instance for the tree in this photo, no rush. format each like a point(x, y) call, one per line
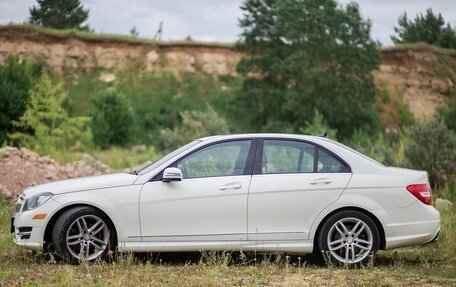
point(52, 128)
point(195, 124)
point(432, 148)
point(429, 28)
point(16, 78)
point(112, 122)
point(59, 14)
point(303, 55)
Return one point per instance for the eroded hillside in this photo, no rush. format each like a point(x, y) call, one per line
point(419, 78)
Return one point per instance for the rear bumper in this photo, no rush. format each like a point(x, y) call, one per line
point(413, 225)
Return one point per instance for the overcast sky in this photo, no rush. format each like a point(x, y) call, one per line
point(214, 20)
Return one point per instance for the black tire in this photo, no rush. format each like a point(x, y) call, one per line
point(70, 219)
point(330, 233)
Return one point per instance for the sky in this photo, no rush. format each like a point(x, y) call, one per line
point(214, 20)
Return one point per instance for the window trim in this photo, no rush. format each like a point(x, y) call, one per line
point(249, 162)
point(259, 156)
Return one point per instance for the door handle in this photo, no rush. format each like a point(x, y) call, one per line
point(233, 186)
point(320, 182)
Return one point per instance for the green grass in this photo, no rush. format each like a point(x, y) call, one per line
point(102, 37)
point(117, 158)
point(429, 265)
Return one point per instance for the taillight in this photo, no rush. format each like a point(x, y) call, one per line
point(422, 192)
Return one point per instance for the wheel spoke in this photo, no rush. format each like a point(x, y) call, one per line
point(363, 241)
point(84, 224)
point(98, 240)
point(362, 247)
point(338, 230)
point(100, 228)
point(347, 254)
point(76, 242)
point(353, 252)
point(360, 230)
point(81, 230)
point(96, 245)
point(77, 236)
point(343, 227)
point(95, 225)
point(336, 241)
point(337, 247)
point(353, 230)
point(87, 248)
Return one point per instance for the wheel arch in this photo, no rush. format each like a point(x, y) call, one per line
point(362, 210)
point(47, 237)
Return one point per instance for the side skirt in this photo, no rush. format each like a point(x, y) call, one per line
point(301, 247)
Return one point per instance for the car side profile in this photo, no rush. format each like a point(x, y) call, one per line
point(249, 192)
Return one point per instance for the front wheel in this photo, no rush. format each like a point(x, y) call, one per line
point(83, 233)
point(348, 238)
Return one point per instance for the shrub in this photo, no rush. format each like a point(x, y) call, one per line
point(319, 126)
point(385, 148)
point(432, 147)
point(45, 125)
point(195, 124)
point(113, 120)
point(16, 78)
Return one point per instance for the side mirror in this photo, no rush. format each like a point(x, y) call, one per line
point(172, 174)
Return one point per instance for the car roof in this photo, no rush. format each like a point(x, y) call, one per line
point(261, 135)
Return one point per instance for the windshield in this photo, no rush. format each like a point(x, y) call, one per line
point(169, 156)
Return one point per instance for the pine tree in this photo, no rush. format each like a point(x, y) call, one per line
point(59, 14)
point(53, 129)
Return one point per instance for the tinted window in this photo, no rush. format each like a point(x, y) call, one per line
point(327, 163)
point(280, 156)
point(223, 159)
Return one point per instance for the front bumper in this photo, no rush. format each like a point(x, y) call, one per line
point(29, 232)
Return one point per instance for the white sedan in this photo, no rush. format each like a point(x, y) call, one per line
point(249, 192)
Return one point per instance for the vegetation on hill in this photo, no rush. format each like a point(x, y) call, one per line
point(59, 14)
point(294, 65)
point(429, 28)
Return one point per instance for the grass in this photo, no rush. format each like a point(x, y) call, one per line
point(113, 38)
point(429, 265)
point(117, 158)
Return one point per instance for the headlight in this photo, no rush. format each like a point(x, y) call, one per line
point(36, 200)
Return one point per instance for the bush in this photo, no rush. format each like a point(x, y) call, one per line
point(16, 78)
point(195, 124)
point(385, 148)
point(45, 125)
point(113, 120)
point(432, 147)
point(319, 126)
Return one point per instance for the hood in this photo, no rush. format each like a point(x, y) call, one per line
point(83, 183)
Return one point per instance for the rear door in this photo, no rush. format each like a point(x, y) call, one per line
point(292, 182)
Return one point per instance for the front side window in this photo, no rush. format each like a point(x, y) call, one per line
point(222, 159)
point(281, 156)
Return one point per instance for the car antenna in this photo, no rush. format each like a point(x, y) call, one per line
point(325, 134)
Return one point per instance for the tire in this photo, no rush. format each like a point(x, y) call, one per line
point(83, 233)
point(348, 238)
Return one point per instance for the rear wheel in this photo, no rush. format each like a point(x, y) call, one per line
point(83, 233)
point(349, 238)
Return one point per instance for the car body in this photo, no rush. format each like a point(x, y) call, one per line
point(250, 192)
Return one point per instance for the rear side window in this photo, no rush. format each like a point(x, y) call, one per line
point(286, 156)
point(327, 163)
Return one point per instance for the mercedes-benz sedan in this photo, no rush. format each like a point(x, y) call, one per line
point(249, 192)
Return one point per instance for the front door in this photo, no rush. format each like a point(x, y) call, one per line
point(209, 204)
point(293, 182)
